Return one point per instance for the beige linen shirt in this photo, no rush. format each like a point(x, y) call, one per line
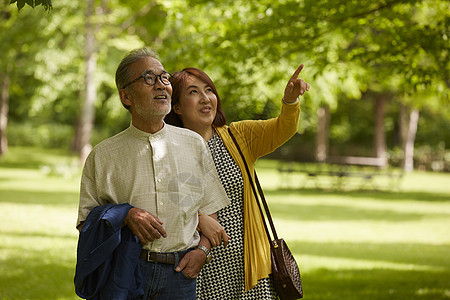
point(170, 174)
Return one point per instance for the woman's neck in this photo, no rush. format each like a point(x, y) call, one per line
point(205, 132)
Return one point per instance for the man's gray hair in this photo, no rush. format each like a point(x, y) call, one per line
point(122, 75)
point(122, 72)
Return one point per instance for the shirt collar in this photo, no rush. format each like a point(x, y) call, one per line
point(145, 136)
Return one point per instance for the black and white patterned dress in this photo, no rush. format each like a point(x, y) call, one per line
point(223, 277)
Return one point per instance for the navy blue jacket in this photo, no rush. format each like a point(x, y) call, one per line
point(108, 256)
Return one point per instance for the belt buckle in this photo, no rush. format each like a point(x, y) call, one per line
point(148, 256)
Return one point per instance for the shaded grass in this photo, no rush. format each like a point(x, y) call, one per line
point(348, 244)
point(377, 283)
point(34, 158)
point(60, 198)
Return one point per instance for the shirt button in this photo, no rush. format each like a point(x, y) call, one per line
point(161, 203)
point(159, 180)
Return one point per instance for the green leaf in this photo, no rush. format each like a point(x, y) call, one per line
point(33, 3)
point(46, 3)
point(20, 4)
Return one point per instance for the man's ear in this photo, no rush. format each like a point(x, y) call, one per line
point(125, 97)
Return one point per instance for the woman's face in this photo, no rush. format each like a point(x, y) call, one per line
point(197, 105)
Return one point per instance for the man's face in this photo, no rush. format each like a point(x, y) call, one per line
point(148, 101)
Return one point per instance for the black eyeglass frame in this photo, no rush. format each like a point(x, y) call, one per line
point(156, 79)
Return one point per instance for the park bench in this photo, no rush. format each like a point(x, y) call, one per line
point(341, 173)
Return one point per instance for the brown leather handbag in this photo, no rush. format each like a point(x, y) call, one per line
point(286, 274)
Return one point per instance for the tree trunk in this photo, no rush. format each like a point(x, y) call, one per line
point(323, 125)
point(408, 164)
point(403, 125)
point(87, 114)
point(4, 109)
point(380, 137)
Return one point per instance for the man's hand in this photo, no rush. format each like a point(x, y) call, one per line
point(144, 225)
point(192, 263)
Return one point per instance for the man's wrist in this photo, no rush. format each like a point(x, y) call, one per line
point(207, 253)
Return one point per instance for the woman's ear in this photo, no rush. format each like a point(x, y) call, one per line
point(176, 109)
point(124, 97)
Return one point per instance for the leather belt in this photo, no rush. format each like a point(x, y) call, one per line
point(160, 257)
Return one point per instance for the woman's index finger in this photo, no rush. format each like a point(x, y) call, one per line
point(297, 72)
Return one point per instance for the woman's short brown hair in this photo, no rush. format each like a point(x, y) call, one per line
point(179, 81)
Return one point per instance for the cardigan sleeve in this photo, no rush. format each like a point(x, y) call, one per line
point(264, 136)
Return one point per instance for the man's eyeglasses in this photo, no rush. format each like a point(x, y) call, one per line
point(151, 78)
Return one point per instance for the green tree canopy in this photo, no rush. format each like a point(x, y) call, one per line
point(47, 4)
point(351, 50)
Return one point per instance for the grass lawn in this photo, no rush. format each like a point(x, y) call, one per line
point(348, 244)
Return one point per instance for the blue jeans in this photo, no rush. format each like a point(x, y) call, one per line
point(162, 282)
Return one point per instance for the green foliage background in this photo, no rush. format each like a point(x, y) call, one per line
point(353, 51)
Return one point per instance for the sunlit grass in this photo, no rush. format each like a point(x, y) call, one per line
point(37, 225)
point(349, 245)
point(366, 244)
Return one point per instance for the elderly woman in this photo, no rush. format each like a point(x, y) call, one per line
point(241, 271)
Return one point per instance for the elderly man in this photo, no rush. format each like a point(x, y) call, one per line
point(163, 174)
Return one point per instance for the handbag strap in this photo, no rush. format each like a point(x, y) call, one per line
point(263, 199)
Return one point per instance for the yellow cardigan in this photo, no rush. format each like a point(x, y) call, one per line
point(257, 138)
